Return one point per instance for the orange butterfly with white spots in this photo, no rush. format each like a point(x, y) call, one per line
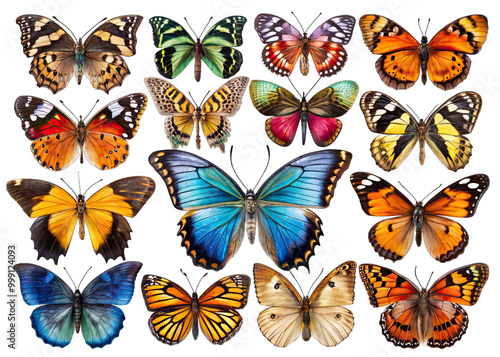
point(418, 316)
point(57, 140)
point(444, 58)
point(444, 238)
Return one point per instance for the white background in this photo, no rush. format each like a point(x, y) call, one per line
point(154, 241)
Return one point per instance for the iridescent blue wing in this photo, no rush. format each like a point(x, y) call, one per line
point(101, 321)
point(213, 228)
point(288, 231)
point(54, 322)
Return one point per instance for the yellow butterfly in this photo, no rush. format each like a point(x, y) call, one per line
point(182, 115)
point(57, 213)
point(321, 315)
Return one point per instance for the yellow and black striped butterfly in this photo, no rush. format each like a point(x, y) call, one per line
point(182, 115)
point(442, 131)
point(176, 312)
point(57, 213)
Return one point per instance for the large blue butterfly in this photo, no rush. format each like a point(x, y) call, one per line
point(63, 311)
point(213, 229)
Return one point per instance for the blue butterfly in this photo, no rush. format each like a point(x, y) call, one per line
point(218, 211)
point(63, 311)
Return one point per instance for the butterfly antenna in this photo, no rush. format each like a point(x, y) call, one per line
point(431, 192)
point(204, 275)
point(79, 185)
point(203, 100)
point(321, 272)
point(69, 187)
point(92, 186)
point(210, 19)
point(294, 87)
point(414, 113)
point(69, 110)
point(298, 284)
point(91, 110)
point(231, 160)
point(407, 191)
point(84, 275)
point(416, 277)
point(432, 112)
point(307, 29)
point(298, 22)
point(194, 101)
point(93, 27)
point(312, 87)
point(429, 281)
point(67, 28)
point(70, 278)
point(191, 28)
point(268, 159)
point(428, 22)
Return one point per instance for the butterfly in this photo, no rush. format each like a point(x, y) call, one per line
point(57, 140)
point(444, 58)
point(64, 311)
point(218, 210)
point(216, 49)
point(176, 312)
point(321, 315)
point(319, 112)
point(417, 316)
point(444, 238)
point(57, 213)
point(57, 56)
point(443, 130)
point(285, 44)
point(182, 115)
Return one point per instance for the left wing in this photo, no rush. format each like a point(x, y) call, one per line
point(109, 230)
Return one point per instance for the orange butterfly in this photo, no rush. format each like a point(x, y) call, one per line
point(444, 58)
point(444, 238)
point(176, 312)
point(417, 316)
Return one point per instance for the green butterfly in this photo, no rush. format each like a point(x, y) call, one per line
point(179, 48)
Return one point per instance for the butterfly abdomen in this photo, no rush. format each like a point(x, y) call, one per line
point(303, 119)
point(425, 325)
point(304, 57)
point(424, 56)
point(306, 320)
point(77, 309)
point(198, 52)
point(421, 141)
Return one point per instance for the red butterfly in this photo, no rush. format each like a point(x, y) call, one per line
point(417, 316)
point(285, 44)
point(58, 140)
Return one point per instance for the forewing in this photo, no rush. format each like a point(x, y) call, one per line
point(337, 288)
point(272, 28)
point(335, 100)
point(273, 289)
point(338, 29)
point(271, 99)
point(226, 100)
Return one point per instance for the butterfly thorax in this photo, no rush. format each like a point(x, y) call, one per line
point(306, 319)
point(425, 325)
point(77, 309)
point(304, 56)
point(80, 208)
point(418, 218)
point(424, 56)
point(250, 207)
point(198, 52)
point(303, 117)
point(79, 54)
point(195, 308)
point(421, 141)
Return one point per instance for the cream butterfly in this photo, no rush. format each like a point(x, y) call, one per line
point(321, 315)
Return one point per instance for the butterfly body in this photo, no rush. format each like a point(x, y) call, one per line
point(444, 238)
point(417, 316)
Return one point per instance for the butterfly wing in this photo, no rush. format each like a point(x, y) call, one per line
point(281, 323)
point(217, 314)
point(445, 128)
point(399, 65)
point(173, 315)
point(105, 210)
point(214, 227)
point(329, 103)
point(52, 132)
point(325, 44)
point(224, 102)
point(448, 64)
point(53, 322)
point(103, 64)
point(288, 231)
point(55, 213)
point(391, 238)
point(384, 115)
point(444, 238)
point(399, 320)
point(52, 49)
point(271, 99)
point(283, 43)
point(101, 321)
point(330, 322)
